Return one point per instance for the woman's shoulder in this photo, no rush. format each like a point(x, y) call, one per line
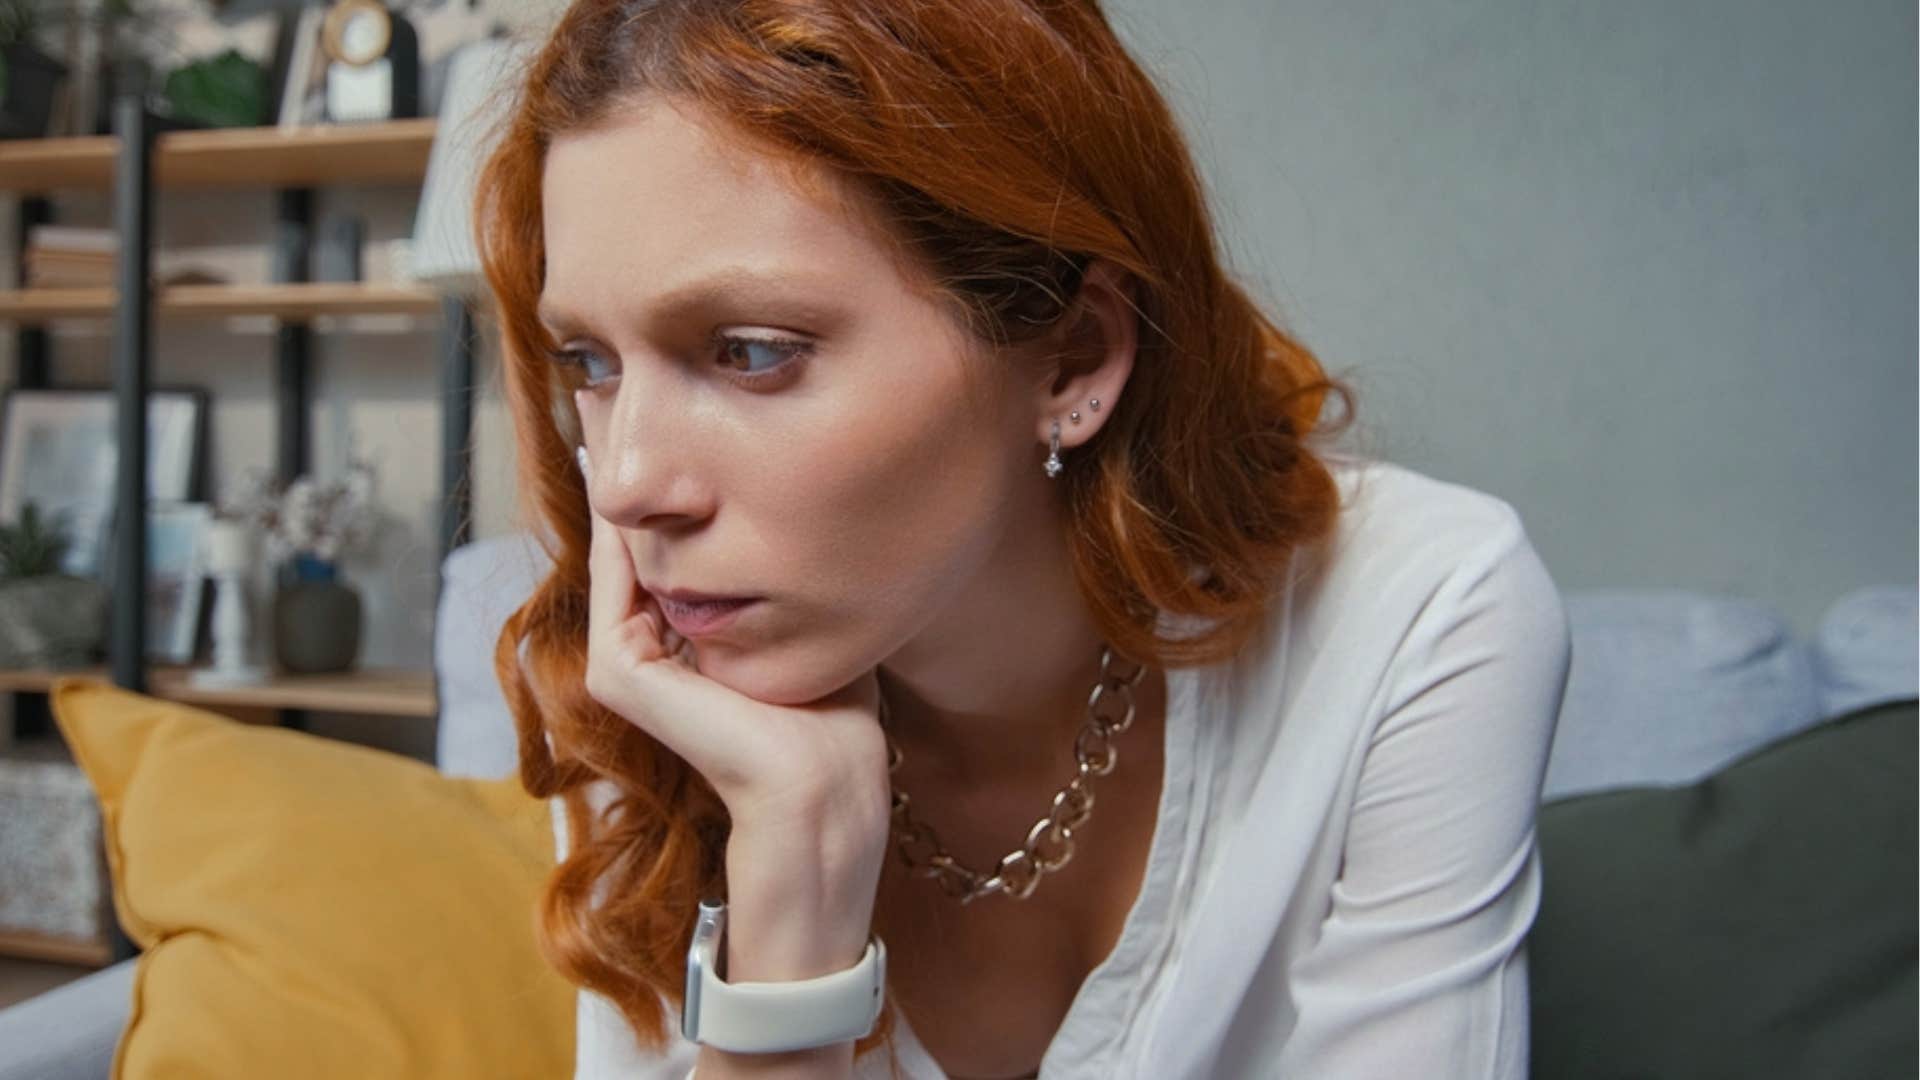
point(1405, 530)
point(1385, 506)
point(1404, 542)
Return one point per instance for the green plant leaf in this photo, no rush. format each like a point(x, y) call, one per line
point(33, 545)
point(227, 90)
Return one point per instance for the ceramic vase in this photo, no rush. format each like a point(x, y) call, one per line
point(316, 620)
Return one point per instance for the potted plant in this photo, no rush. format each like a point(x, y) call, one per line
point(28, 76)
point(309, 526)
point(124, 38)
point(47, 619)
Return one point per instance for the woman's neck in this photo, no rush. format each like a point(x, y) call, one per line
point(995, 688)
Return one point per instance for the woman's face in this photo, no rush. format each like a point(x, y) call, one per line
point(772, 408)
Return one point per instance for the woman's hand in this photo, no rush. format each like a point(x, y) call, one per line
point(806, 785)
point(763, 760)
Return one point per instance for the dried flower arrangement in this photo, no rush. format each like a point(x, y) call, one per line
point(312, 521)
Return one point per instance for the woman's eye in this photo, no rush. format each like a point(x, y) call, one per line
point(584, 366)
point(750, 358)
point(753, 355)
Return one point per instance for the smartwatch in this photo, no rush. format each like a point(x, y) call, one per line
point(766, 1017)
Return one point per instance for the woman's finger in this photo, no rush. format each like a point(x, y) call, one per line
point(614, 595)
point(615, 608)
point(630, 647)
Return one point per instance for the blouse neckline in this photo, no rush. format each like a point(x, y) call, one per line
point(1102, 1009)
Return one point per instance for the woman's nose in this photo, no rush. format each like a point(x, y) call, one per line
point(643, 471)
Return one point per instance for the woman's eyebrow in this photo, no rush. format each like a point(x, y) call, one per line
point(795, 292)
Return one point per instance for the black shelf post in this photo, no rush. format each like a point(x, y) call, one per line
point(33, 370)
point(292, 392)
point(132, 341)
point(456, 423)
point(293, 387)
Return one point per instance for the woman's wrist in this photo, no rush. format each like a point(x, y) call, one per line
point(798, 906)
point(800, 897)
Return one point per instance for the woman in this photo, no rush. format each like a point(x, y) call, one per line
point(914, 473)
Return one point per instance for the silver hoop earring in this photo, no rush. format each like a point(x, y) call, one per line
point(1053, 452)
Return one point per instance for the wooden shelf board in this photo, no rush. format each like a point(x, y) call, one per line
point(392, 152)
point(292, 302)
point(385, 692)
point(31, 946)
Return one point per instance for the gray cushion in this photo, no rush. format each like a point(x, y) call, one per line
point(1867, 649)
point(1667, 685)
point(480, 586)
point(69, 1032)
point(1757, 924)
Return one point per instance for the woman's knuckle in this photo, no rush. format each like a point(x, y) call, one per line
point(597, 684)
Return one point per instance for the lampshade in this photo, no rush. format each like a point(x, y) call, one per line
point(480, 78)
point(229, 546)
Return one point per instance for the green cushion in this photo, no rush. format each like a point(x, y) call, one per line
point(1757, 923)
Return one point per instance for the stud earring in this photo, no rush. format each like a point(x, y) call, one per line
point(1053, 452)
point(1096, 404)
point(1074, 416)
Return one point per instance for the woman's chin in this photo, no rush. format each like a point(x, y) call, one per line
point(770, 678)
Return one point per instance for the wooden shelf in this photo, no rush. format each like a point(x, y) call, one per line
point(296, 302)
point(392, 152)
point(384, 692)
point(30, 946)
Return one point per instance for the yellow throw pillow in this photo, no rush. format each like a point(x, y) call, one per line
point(311, 908)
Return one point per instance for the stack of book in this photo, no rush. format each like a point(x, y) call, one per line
point(70, 257)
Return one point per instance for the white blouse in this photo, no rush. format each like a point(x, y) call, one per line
point(1344, 868)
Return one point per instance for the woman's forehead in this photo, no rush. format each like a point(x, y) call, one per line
point(659, 198)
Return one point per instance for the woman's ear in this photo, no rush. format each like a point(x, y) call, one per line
point(1093, 346)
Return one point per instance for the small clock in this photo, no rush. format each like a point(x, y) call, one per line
point(373, 62)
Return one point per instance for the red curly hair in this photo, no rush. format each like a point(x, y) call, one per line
point(1007, 144)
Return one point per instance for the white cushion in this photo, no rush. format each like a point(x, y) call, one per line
point(1666, 686)
point(69, 1032)
point(481, 584)
point(1867, 649)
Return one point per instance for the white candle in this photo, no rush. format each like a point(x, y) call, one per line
point(229, 547)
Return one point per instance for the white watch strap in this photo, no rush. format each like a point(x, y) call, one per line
point(766, 1017)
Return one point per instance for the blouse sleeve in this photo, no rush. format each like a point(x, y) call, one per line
point(1420, 965)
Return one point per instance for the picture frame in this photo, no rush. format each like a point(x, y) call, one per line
point(59, 449)
point(299, 89)
point(176, 579)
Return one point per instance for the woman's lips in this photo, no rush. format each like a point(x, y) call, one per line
point(693, 617)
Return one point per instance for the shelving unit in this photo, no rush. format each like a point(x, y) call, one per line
point(145, 153)
point(367, 690)
point(394, 152)
point(289, 302)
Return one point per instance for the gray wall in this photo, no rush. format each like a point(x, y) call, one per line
point(1645, 270)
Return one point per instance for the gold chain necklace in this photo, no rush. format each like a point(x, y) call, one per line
point(1049, 843)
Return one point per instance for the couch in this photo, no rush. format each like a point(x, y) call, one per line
point(1668, 689)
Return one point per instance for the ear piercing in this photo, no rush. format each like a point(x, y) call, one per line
point(1053, 465)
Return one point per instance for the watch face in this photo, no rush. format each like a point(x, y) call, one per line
point(358, 31)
